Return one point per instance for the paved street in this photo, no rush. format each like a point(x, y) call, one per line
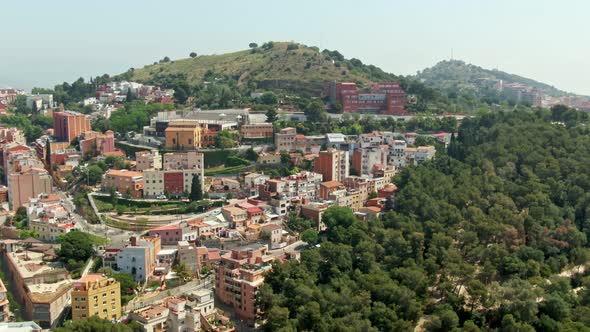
point(115, 236)
point(296, 246)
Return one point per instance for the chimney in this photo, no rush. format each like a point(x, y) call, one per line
point(133, 240)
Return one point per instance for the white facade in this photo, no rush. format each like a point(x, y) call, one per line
point(133, 260)
point(50, 230)
point(397, 153)
point(254, 179)
point(424, 153)
point(371, 157)
point(154, 183)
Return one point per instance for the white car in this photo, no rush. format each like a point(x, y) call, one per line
point(161, 197)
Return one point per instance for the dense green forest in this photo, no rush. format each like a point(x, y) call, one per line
point(489, 237)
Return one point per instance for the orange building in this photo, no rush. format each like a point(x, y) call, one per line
point(328, 187)
point(124, 181)
point(183, 135)
point(333, 165)
point(68, 125)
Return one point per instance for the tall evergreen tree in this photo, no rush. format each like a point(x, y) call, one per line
point(130, 96)
point(271, 115)
point(48, 153)
point(196, 190)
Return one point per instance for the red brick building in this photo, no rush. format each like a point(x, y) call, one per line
point(383, 98)
point(174, 182)
point(332, 164)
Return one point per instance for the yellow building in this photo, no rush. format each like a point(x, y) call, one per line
point(96, 295)
point(184, 135)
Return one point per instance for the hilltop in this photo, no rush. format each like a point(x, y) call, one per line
point(453, 76)
point(273, 65)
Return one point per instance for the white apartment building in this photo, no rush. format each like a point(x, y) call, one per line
point(397, 153)
point(424, 153)
point(135, 261)
point(365, 159)
point(176, 182)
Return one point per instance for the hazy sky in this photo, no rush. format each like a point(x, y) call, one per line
point(47, 42)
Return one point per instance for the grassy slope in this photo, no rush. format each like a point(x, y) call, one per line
point(277, 64)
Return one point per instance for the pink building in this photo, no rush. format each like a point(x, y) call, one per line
point(27, 184)
point(238, 277)
point(94, 143)
point(168, 234)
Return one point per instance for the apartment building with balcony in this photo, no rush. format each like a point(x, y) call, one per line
point(333, 165)
point(238, 277)
point(96, 295)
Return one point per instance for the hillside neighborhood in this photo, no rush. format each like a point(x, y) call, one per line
point(166, 220)
point(288, 188)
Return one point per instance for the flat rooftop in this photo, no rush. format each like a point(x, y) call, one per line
point(31, 263)
point(42, 293)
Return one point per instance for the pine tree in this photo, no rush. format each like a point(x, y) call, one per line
point(48, 153)
point(271, 115)
point(196, 190)
point(130, 96)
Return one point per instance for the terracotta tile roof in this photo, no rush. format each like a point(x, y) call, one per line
point(254, 210)
point(213, 255)
point(50, 198)
point(124, 173)
point(166, 228)
point(92, 277)
point(331, 184)
point(271, 227)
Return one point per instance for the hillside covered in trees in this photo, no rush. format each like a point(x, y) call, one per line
point(292, 71)
point(458, 77)
point(489, 237)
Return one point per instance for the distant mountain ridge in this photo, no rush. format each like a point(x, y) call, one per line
point(449, 75)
